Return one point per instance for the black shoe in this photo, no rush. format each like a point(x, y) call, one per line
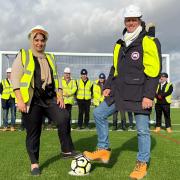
point(79, 128)
point(124, 128)
point(114, 128)
point(131, 128)
point(70, 154)
point(35, 171)
point(87, 128)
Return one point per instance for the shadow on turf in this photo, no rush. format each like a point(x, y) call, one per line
point(50, 161)
point(80, 145)
point(89, 144)
point(130, 145)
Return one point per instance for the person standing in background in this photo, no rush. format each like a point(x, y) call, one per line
point(8, 101)
point(84, 95)
point(69, 89)
point(163, 102)
point(98, 87)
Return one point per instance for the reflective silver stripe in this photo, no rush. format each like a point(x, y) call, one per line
point(7, 92)
point(27, 59)
point(27, 72)
point(23, 84)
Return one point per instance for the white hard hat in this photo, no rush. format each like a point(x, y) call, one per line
point(67, 70)
point(8, 70)
point(132, 11)
point(38, 28)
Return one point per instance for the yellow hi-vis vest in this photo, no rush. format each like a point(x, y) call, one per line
point(28, 63)
point(69, 89)
point(151, 59)
point(168, 98)
point(84, 92)
point(7, 90)
point(97, 94)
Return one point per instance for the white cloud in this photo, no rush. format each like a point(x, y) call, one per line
point(83, 22)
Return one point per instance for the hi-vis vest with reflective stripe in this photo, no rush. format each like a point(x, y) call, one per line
point(168, 98)
point(28, 63)
point(151, 59)
point(84, 92)
point(70, 89)
point(97, 94)
point(7, 90)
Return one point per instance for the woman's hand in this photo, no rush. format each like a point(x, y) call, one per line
point(22, 106)
point(20, 103)
point(147, 103)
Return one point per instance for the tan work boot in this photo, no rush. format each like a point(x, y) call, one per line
point(102, 155)
point(5, 129)
point(139, 171)
point(158, 129)
point(169, 130)
point(12, 128)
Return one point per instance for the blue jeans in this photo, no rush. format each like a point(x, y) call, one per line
point(9, 105)
point(103, 111)
point(144, 139)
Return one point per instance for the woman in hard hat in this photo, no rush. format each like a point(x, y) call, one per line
point(38, 94)
point(132, 84)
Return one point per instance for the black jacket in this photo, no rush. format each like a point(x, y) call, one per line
point(131, 84)
point(163, 94)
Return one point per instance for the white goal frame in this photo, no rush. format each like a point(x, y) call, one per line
point(71, 54)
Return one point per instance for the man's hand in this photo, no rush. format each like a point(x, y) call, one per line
point(147, 103)
point(159, 97)
point(22, 106)
point(106, 92)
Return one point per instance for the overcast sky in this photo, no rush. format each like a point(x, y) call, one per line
point(85, 25)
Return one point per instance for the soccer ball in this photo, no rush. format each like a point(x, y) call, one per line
point(80, 166)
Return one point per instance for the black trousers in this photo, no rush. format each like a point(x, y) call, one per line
point(165, 109)
point(84, 108)
point(69, 109)
point(33, 122)
point(123, 119)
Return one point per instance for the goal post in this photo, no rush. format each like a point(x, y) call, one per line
point(95, 63)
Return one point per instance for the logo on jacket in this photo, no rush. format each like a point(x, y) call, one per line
point(135, 55)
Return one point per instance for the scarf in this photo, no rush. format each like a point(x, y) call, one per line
point(44, 66)
point(130, 37)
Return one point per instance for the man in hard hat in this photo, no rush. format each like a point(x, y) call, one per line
point(83, 95)
point(98, 87)
point(8, 101)
point(163, 102)
point(69, 89)
point(132, 84)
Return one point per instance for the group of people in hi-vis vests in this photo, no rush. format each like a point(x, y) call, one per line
point(84, 91)
point(131, 86)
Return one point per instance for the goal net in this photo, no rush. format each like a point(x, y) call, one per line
point(95, 63)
